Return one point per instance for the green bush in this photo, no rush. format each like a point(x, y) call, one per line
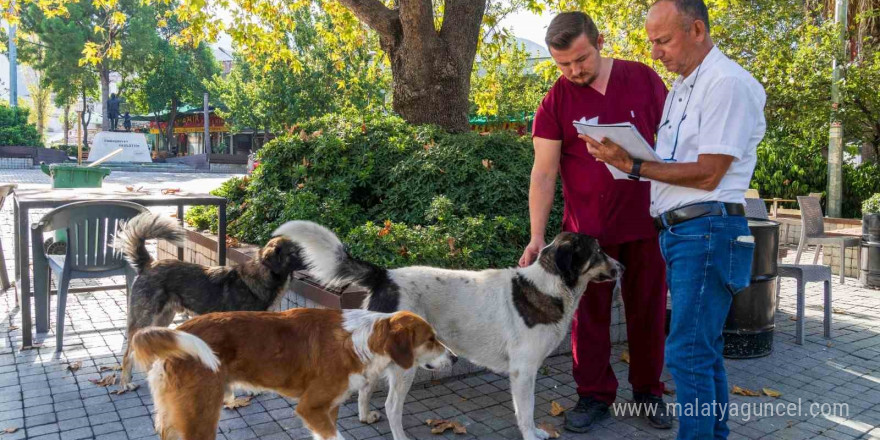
point(397, 194)
point(70, 150)
point(787, 170)
point(872, 205)
point(15, 130)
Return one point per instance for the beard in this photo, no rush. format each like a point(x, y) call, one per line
point(584, 80)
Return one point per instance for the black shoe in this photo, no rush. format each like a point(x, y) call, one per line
point(585, 414)
point(654, 411)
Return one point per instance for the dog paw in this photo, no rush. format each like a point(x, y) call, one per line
point(372, 417)
point(126, 388)
point(540, 434)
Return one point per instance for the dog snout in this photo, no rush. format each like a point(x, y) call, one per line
point(453, 358)
point(616, 269)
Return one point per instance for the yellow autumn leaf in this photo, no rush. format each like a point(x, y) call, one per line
point(625, 356)
point(556, 409)
point(771, 392)
point(744, 392)
point(118, 18)
point(238, 402)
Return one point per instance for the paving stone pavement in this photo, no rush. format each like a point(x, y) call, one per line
point(45, 400)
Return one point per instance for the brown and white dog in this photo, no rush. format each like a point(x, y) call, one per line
point(316, 356)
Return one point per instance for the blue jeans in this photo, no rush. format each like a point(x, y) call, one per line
point(705, 266)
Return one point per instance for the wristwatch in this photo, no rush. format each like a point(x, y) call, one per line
point(636, 174)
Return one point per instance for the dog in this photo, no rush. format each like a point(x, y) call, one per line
point(507, 320)
point(166, 287)
point(318, 356)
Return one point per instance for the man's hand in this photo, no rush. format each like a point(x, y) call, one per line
point(531, 252)
point(609, 152)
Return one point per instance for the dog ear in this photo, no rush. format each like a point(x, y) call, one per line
point(400, 346)
point(275, 257)
point(564, 260)
point(563, 257)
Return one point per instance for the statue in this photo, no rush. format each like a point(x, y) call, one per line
point(126, 121)
point(113, 111)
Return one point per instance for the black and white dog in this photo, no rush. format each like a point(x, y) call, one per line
point(507, 320)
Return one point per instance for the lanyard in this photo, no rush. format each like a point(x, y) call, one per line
point(671, 158)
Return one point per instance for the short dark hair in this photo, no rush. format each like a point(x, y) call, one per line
point(567, 27)
point(693, 10)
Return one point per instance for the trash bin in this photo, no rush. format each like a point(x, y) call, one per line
point(748, 331)
point(68, 175)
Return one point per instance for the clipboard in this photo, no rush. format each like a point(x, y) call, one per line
point(624, 134)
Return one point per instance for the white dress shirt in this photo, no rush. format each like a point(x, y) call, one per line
point(717, 109)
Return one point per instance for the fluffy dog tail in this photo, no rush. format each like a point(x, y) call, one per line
point(152, 343)
point(130, 240)
point(331, 265)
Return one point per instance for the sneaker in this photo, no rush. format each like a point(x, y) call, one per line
point(585, 414)
point(655, 411)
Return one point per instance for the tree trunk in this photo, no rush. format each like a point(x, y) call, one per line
point(430, 69)
point(169, 126)
point(84, 121)
point(67, 124)
point(104, 74)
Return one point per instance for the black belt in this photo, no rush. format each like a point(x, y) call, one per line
point(706, 209)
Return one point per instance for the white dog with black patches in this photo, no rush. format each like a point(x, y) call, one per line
point(507, 320)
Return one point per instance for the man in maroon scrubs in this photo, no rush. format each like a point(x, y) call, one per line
point(613, 211)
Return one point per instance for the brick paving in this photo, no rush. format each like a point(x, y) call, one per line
point(44, 400)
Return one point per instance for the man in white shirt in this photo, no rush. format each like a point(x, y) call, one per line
point(711, 125)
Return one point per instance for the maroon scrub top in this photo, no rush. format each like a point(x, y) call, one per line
point(613, 211)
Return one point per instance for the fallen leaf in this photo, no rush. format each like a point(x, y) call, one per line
point(792, 318)
point(744, 392)
point(839, 311)
point(34, 346)
point(239, 402)
point(771, 392)
point(625, 356)
point(440, 426)
point(13, 327)
point(544, 370)
point(10, 430)
point(556, 409)
point(167, 191)
point(488, 164)
point(129, 188)
point(113, 368)
point(549, 429)
point(829, 345)
point(73, 367)
point(669, 391)
point(300, 186)
point(105, 381)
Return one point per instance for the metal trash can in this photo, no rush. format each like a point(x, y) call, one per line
point(869, 272)
point(748, 331)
